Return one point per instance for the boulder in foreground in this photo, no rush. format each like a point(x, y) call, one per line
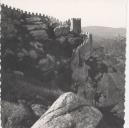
point(69, 111)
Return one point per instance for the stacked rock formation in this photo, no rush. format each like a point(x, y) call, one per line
point(95, 78)
point(37, 28)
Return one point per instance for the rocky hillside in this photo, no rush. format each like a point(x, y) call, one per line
point(36, 46)
point(42, 59)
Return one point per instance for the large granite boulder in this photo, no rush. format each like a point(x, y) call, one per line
point(69, 111)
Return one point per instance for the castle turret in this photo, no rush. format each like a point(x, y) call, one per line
point(76, 25)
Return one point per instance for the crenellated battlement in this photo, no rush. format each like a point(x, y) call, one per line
point(22, 11)
point(17, 12)
point(76, 25)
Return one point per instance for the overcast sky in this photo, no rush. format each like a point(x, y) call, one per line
point(110, 13)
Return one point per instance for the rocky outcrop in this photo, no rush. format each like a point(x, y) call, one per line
point(33, 19)
point(69, 111)
point(80, 74)
point(39, 34)
point(74, 40)
point(96, 76)
point(45, 64)
point(38, 109)
point(36, 27)
point(81, 54)
point(34, 38)
point(61, 30)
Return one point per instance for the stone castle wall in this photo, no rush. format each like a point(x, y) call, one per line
point(76, 25)
point(18, 12)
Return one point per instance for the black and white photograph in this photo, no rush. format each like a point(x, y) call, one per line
point(63, 63)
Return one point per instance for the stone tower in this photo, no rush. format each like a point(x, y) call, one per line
point(76, 25)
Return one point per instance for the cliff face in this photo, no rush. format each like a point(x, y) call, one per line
point(36, 45)
point(94, 78)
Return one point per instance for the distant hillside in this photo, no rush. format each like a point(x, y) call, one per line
point(105, 32)
point(112, 39)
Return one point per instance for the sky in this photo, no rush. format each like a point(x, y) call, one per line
point(108, 13)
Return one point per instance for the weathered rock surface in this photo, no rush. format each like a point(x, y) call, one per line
point(74, 40)
point(81, 54)
point(69, 111)
point(80, 71)
point(87, 91)
point(61, 30)
point(85, 49)
point(33, 19)
point(80, 74)
point(35, 27)
point(16, 115)
point(33, 54)
point(61, 39)
point(46, 63)
point(39, 34)
point(38, 109)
